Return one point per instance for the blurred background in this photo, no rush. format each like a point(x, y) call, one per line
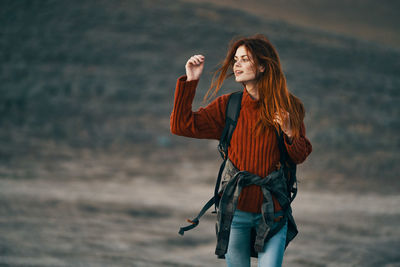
point(90, 174)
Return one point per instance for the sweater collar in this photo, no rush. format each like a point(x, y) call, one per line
point(248, 100)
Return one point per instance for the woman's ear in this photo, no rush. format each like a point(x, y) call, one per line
point(261, 68)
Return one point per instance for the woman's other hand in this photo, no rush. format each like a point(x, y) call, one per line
point(285, 124)
point(194, 67)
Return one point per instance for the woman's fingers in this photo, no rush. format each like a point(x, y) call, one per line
point(285, 115)
point(284, 122)
point(194, 67)
point(196, 59)
point(277, 118)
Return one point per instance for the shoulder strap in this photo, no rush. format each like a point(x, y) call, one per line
point(231, 116)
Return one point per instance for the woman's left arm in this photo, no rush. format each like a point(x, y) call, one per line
point(299, 147)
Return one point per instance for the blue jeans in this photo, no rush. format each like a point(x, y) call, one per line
point(238, 254)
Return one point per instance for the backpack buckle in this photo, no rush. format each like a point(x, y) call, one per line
point(222, 151)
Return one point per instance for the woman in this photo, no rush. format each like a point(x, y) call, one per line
point(266, 106)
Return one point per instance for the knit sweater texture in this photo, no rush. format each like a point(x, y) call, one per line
point(247, 151)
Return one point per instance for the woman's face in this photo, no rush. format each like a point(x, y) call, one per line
point(243, 67)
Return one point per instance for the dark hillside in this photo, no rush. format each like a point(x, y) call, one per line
point(100, 76)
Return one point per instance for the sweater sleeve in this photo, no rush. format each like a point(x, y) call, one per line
point(300, 147)
point(206, 123)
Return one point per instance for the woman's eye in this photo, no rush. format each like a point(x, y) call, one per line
point(242, 60)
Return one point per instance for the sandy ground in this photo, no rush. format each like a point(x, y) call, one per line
point(134, 222)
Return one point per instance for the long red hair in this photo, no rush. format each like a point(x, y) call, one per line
point(274, 96)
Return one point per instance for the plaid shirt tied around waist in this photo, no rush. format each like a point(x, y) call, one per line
point(275, 184)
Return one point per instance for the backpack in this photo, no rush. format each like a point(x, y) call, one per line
point(231, 117)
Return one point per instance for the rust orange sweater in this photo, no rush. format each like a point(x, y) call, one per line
point(256, 154)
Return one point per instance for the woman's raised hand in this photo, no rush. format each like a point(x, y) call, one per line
point(194, 67)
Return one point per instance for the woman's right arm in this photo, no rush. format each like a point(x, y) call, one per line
point(207, 122)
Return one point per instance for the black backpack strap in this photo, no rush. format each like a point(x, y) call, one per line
point(287, 163)
point(231, 116)
point(194, 222)
point(281, 145)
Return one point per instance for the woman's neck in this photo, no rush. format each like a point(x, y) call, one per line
point(252, 90)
